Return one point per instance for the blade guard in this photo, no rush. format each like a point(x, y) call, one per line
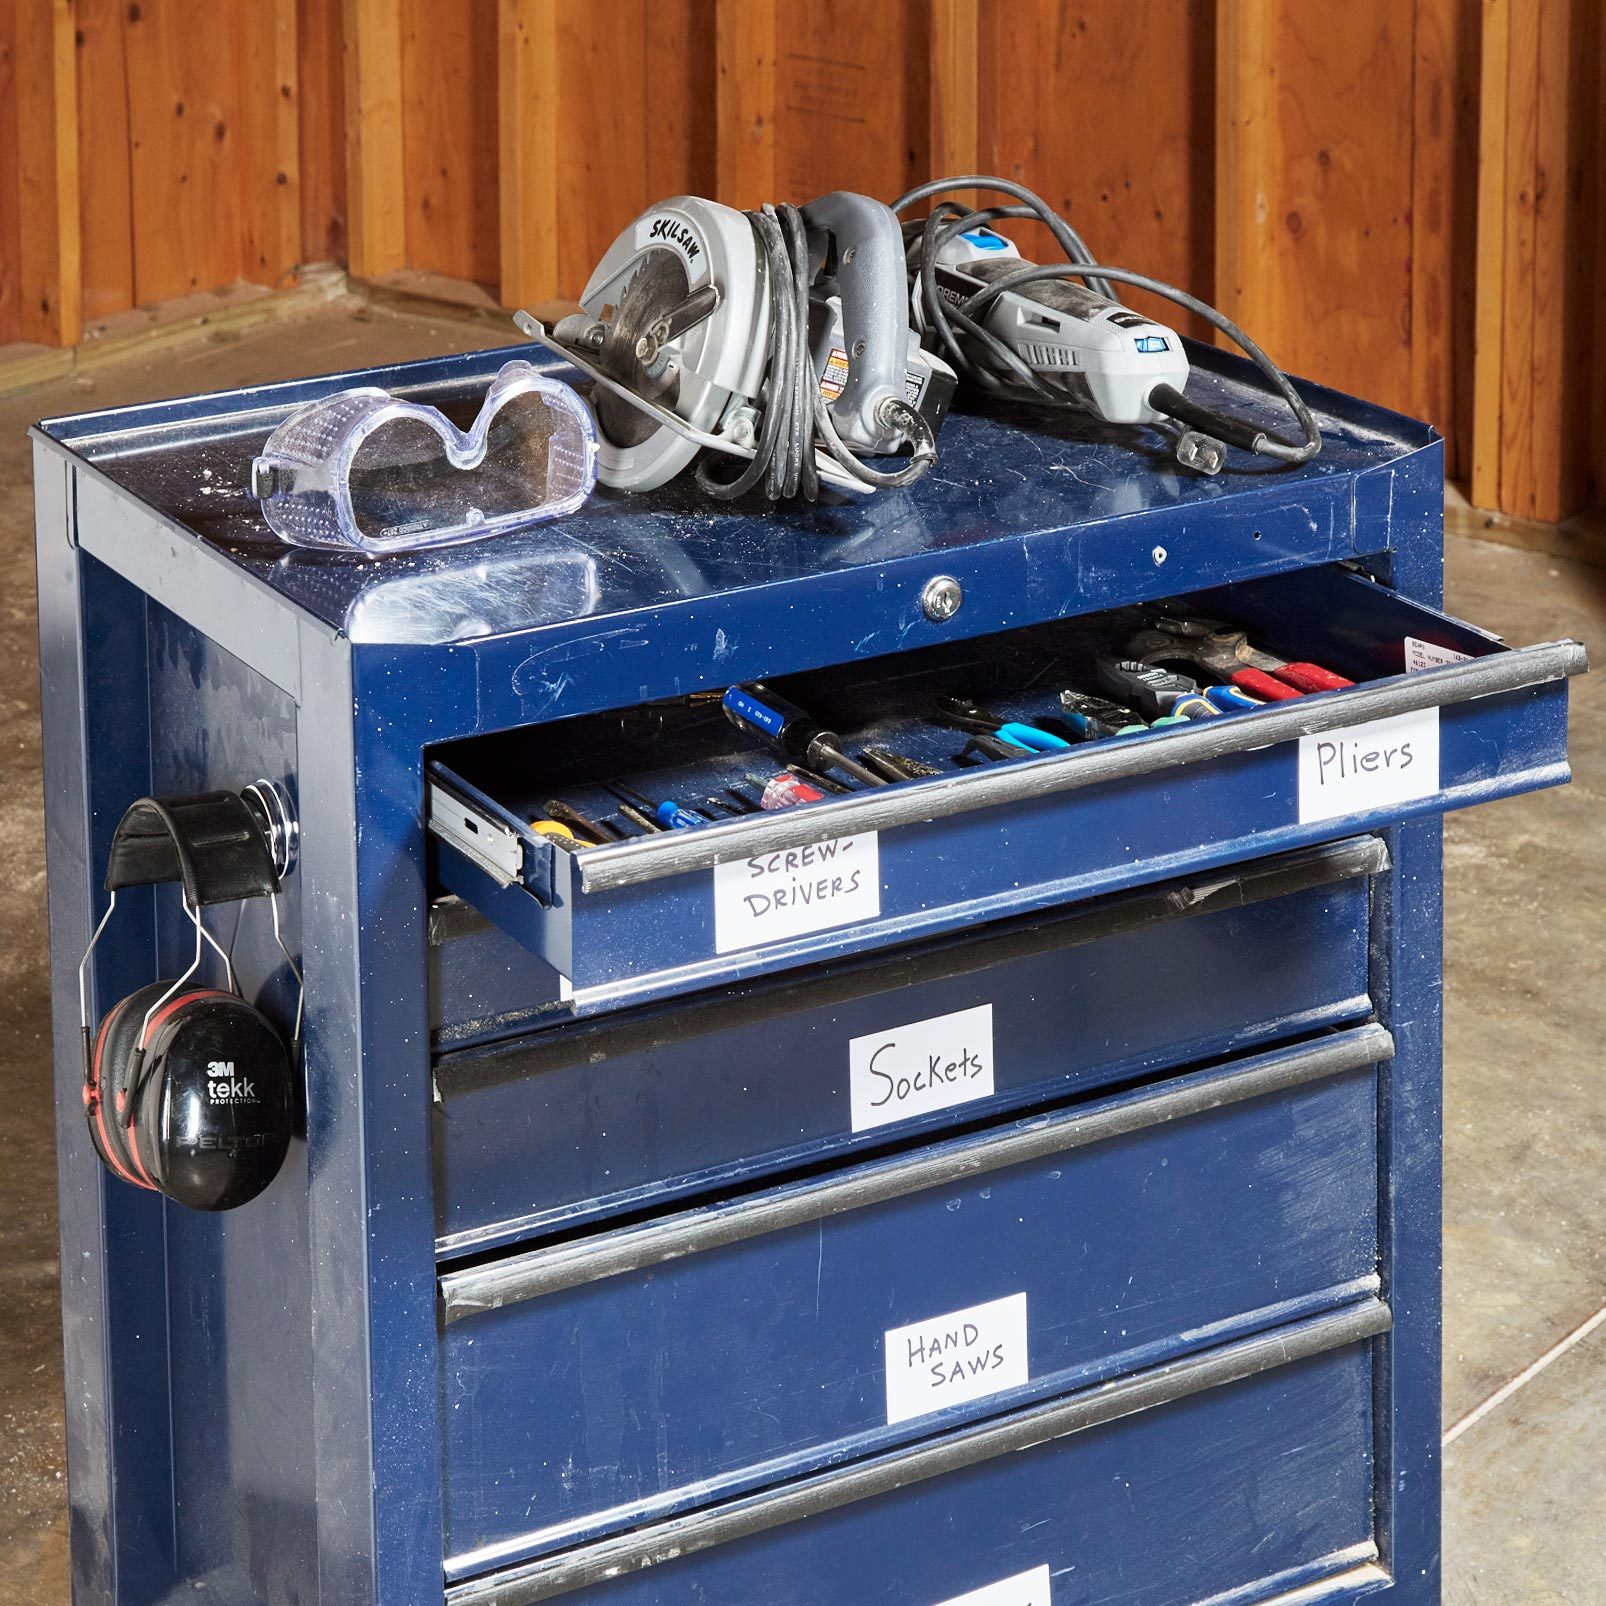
point(720, 359)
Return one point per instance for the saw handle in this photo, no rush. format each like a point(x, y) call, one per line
point(873, 283)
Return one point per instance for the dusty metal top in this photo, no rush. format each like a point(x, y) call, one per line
point(1006, 474)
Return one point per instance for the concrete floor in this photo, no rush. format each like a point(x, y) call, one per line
point(1525, 1190)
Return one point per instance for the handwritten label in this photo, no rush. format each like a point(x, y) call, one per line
point(1024, 1589)
point(948, 1360)
point(911, 1070)
point(1427, 655)
point(796, 890)
point(1368, 766)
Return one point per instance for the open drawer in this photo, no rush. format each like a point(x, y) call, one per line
point(1441, 715)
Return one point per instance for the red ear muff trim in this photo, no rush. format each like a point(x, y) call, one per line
point(97, 1088)
point(170, 1008)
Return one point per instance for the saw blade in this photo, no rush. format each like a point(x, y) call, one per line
point(657, 287)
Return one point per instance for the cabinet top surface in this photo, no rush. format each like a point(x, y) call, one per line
point(1014, 482)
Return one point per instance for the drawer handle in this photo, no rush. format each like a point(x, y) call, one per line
point(605, 869)
point(1041, 1424)
point(541, 1272)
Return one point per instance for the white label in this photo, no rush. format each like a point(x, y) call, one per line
point(1425, 655)
point(1024, 1589)
point(1368, 766)
point(796, 890)
point(951, 1359)
point(911, 1070)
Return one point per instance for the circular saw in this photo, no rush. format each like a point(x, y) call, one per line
point(759, 336)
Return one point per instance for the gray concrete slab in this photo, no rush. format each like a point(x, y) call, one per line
point(1525, 1493)
point(1525, 1013)
point(1525, 1189)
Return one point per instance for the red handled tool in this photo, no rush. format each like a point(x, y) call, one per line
point(1224, 654)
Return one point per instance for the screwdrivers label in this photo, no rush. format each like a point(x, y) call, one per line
point(949, 1360)
point(1375, 765)
point(1024, 1589)
point(794, 891)
point(912, 1070)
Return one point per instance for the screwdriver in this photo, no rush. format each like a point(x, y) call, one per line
point(897, 766)
point(790, 732)
point(814, 778)
point(554, 829)
point(783, 790)
point(668, 813)
point(595, 830)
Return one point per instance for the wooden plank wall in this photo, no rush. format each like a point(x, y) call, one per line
point(1408, 205)
point(1539, 418)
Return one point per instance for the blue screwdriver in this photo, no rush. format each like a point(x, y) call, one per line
point(668, 813)
point(786, 729)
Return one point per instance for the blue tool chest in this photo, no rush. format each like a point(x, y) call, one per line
point(1016, 1185)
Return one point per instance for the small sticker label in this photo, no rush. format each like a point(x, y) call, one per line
point(1368, 766)
point(835, 377)
point(774, 896)
point(930, 1065)
point(1425, 655)
point(1024, 1589)
point(951, 1359)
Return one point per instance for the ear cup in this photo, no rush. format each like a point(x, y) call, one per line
point(214, 1113)
point(114, 1076)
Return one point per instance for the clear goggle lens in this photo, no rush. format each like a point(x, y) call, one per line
point(364, 470)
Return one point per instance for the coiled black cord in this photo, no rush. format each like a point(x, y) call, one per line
point(991, 362)
point(796, 418)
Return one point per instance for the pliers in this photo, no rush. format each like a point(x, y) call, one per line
point(959, 713)
point(1224, 654)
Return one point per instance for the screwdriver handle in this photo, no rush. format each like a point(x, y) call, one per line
point(782, 724)
point(783, 790)
point(670, 813)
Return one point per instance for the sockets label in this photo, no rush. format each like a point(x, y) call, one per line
point(1370, 766)
point(949, 1360)
point(793, 891)
point(929, 1065)
point(1024, 1589)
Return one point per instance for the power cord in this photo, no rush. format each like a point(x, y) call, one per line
point(987, 360)
point(796, 418)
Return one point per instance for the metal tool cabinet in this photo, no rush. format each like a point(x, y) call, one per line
point(596, 1274)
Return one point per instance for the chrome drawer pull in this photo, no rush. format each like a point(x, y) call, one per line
point(605, 869)
point(541, 1272)
point(701, 1530)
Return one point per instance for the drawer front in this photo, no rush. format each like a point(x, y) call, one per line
point(610, 1380)
point(669, 913)
point(605, 1116)
point(1244, 1476)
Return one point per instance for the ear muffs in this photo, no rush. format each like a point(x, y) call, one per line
point(188, 1090)
point(205, 1113)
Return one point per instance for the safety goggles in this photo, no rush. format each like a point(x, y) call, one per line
point(364, 469)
